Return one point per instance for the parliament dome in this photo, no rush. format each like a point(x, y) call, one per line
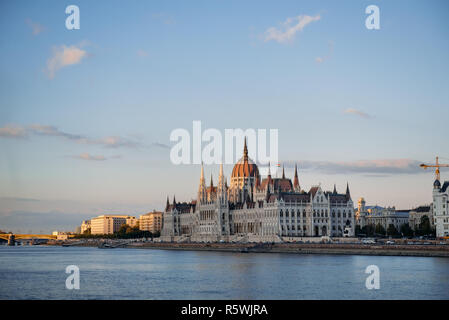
point(245, 167)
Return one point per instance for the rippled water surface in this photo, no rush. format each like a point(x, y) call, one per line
point(38, 272)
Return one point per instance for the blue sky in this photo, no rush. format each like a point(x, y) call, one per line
point(87, 137)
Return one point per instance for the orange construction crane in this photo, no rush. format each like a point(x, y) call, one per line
point(437, 167)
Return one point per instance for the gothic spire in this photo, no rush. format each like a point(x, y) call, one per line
point(211, 181)
point(335, 189)
point(202, 172)
point(296, 180)
point(347, 190)
point(283, 172)
point(245, 151)
point(202, 186)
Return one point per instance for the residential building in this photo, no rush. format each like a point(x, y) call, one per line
point(151, 221)
point(108, 224)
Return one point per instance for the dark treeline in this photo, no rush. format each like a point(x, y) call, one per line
point(423, 229)
point(125, 232)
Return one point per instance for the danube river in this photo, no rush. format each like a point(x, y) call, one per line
point(38, 272)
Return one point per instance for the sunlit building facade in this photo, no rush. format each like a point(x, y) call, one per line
point(252, 209)
point(108, 224)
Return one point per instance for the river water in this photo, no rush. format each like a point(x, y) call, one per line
point(38, 272)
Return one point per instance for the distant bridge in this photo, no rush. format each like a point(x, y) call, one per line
point(12, 238)
point(7, 236)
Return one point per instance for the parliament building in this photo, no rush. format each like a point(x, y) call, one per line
point(257, 210)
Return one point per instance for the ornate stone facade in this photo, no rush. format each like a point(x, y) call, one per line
point(251, 209)
point(441, 208)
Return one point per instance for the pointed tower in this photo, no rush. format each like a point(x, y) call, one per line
point(348, 194)
point(283, 172)
point(167, 205)
point(335, 189)
point(269, 174)
point(211, 182)
point(174, 201)
point(222, 186)
point(221, 179)
point(296, 186)
point(202, 187)
point(245, 151)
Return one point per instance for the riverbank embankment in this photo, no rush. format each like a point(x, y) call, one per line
point(296, 248)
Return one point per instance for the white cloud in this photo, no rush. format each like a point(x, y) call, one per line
point(53, 131)
point(357, 113)
point(142, 53)
point(35, 27)
point(370, 167)
point(86, 156)
point(64, 56)
point(288, 29)
point(12, 131)
point(328, 56)
point(115, 142)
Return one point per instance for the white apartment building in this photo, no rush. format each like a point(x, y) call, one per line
point(108, 224)
point(151, 221)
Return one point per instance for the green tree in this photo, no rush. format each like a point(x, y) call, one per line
point(368, 230)
point(380, 229)
point(406, 230)
point(358, 230)
point(425, 227)
point(391, 230)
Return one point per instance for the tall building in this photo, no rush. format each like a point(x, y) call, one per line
point(440, 207)
point(258, 210)
point(151, 221)
point(109, 223)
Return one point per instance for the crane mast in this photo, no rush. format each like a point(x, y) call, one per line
point(437, 167)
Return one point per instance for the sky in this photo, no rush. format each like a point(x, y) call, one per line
point(86, 115)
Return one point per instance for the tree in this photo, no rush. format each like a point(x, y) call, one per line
point(380, 229)
point(391, 230)
point(368, 230)
point(358, 230)
point(406, 230)
point(425, 227)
